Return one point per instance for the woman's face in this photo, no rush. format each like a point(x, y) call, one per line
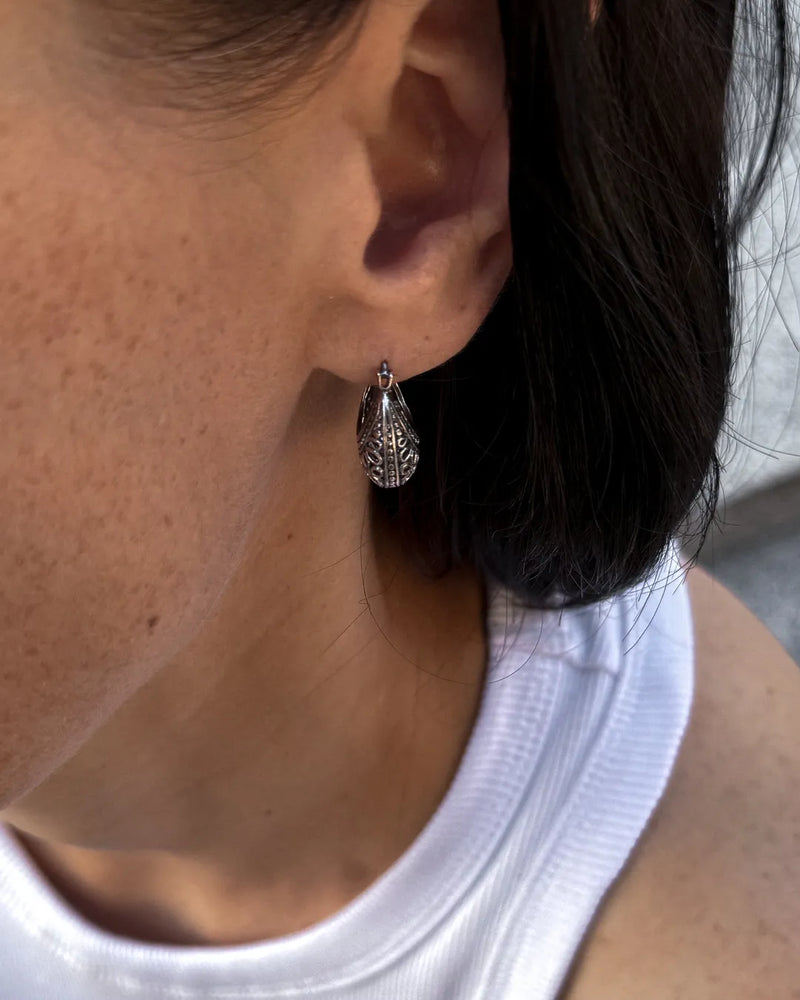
point(169, 280)
point(155, 268)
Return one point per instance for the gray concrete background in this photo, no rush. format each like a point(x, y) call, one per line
point(757, 552)
point(757, 555)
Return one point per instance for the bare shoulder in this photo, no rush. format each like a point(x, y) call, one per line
point(709, 906)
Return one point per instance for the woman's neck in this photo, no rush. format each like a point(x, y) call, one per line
point(290, 754)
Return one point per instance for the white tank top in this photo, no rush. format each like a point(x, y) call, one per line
point(580, 722)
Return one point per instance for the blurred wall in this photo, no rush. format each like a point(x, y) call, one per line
point(764, 444)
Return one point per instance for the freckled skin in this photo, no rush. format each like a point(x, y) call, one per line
point(170, 295)
point(134, 310)
point(192, 591)
point(169, 287)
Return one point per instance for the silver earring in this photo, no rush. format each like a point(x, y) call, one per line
point(388, 444)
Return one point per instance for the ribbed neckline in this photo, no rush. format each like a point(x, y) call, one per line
point(392, 914)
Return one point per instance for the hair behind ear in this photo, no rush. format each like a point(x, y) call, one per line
point(569, 441)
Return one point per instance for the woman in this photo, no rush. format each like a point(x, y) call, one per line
point(272, 726)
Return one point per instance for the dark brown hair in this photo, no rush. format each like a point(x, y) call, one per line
point(571, 439)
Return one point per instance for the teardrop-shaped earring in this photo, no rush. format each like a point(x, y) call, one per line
point(388, 444)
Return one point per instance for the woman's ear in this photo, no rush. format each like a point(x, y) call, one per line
point(423, 245)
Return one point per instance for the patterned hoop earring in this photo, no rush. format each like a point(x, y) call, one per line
point(388, 444)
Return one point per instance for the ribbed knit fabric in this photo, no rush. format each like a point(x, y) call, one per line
point(580, 722)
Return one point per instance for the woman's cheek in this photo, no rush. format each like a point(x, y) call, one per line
point(118, 531)
point(136, 437)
